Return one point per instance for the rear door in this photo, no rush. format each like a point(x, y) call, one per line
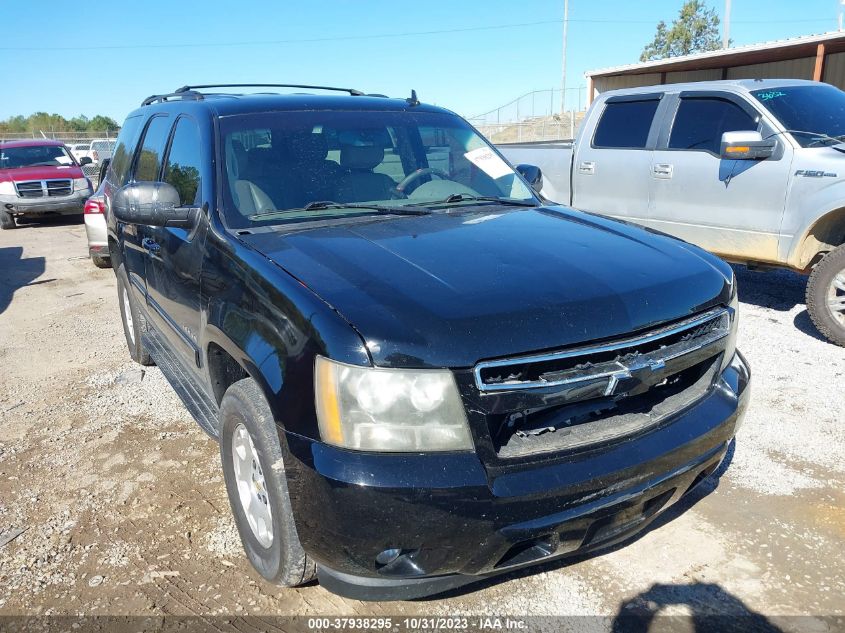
point(175, 255)
point(610, 174)
point(730, 207)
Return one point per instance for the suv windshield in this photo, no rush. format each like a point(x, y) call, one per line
point(277, 164)
point(35, 155)
point(814, 115)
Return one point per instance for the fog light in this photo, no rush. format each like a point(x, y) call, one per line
point(388, 556)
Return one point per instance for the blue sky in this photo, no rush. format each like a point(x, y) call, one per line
point(115, 54)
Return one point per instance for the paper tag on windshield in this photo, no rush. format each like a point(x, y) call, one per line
point(488, 162)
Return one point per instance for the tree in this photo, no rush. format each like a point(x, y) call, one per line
point(695, 30)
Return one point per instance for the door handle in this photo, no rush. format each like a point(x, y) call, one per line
point(587, 167)
point(662, 170)
point(150, 245)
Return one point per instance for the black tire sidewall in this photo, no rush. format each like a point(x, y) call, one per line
point(284, 562)
point(820, 279)
point(136, 348)
point(7, 220)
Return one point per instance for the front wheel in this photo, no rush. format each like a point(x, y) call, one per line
point(7, 221)
point(257, 486)
point(826, 296)
point(133, 320)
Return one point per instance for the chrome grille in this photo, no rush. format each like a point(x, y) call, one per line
point(30, 189)
point(59, 187)
point(605, 362)
point(44, 188)
point(598, 393)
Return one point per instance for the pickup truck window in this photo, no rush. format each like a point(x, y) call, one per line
point(625, 124)
point(46, 155)
point(700, 123)
point(152, 149)
point(815, 115)
point(277, 164)
point(184, 166)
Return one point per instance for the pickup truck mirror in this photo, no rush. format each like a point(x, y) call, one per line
point(85, 160)
point(104, 167)
point(746, 145)
point(533, 175)
point(153, 204)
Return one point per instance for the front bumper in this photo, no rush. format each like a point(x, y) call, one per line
point(456, 523)
point(74, 203)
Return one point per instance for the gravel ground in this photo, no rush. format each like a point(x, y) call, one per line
point(123, 507)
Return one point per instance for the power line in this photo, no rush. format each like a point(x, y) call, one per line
point(494, 27)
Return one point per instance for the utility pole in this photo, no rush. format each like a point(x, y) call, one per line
point(563, 64)
point(726, 31)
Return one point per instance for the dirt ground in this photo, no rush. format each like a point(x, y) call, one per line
point(124, 511)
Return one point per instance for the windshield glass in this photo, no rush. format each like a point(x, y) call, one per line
point(35, 155)
point(813, 112)
point(279, 163)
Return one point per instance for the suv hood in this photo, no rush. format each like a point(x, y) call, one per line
point(22, 174)
point(450, 289)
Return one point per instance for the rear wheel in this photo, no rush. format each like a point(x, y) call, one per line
point(133, 321)
point(257, 486)
point(6, 220)
point(101, 262)
point(826, 296)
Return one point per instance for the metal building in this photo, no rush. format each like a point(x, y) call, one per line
point(818, 57)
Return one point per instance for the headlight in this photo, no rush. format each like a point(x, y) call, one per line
point(393, 410)
point(7, 188)
point(80, 184)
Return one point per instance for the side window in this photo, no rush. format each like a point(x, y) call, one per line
point(700, 123)
point(122, 159)
point(625, 124)
point(152, 149)
point(184, 163)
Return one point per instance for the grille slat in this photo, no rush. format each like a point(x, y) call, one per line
point(30, 189)
point(59, 187)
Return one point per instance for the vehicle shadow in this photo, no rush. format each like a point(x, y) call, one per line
point(52, 220)
point(709, 608)
point(686, 502)
point(779, 289)
point(17, 272)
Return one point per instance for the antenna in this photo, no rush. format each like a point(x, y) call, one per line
point(412, 100)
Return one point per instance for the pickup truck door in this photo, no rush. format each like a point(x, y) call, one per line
point(175, 255)
point(610, 171)
point(730, 207)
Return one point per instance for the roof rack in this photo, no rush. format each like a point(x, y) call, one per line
point(179, 94)
point(352, 91)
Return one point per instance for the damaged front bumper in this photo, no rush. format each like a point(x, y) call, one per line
point(63, 205)
point(403, 526)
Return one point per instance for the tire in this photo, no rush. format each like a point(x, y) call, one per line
point(827, 282)
point(133, 321)
point(101, 262)
point(276, 553)
point(6, 220)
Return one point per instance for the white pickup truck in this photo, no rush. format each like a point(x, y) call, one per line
point(753, 170)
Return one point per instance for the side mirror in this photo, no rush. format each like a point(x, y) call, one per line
point(85, 160)
point(746, 145)
point(533, 175)
point(153, 204)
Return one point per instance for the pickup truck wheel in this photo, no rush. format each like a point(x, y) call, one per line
point(826, 296)
point(133, 321)
point(101, 262)
point(257, 486)
point(6, 220)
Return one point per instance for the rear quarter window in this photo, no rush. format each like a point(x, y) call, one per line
point(625, 124)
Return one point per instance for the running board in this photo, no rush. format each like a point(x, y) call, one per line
point(198, 403)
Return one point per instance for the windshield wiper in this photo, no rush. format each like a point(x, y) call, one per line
point(820, 136)
point(466, 197)
point(328, 204)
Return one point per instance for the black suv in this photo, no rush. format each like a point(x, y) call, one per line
point(420, 372)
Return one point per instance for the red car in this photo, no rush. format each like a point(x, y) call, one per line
point(40, 177)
